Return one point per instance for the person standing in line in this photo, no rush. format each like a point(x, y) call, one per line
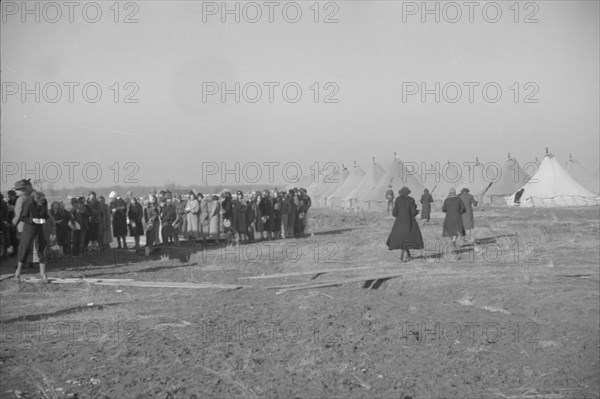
point(266, 211)
point(94, 222)
point(251, 216)
point(192, 210)
point(152, 223)
point(135, 214)
point(277, 214)
point(240, 207)
point(405, 234)
point(118, 209)
point(214, 214)
point(468, 218)
point(30, 218)
point(106, 238)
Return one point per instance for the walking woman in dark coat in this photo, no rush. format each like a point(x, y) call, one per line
point(426, 200)
point(405, 234)
point(453, 222)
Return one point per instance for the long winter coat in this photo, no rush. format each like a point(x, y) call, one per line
point(192, 210)
point(266, 210)
point(426, 200)
point(405, 232)
point(453, 224)
point(214, 214)
point(239, 216)
point(467, 217)
point(118, 208)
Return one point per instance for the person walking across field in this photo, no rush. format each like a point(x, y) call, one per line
point(468, 219)
point(453, 224)
point(426, 200)
point(389, 197)
point(405, 234)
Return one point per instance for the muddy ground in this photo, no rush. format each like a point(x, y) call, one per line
point(515, 316)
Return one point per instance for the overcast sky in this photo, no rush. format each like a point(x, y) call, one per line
point(369, 57)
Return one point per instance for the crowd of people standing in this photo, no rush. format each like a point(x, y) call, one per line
point(93, 223)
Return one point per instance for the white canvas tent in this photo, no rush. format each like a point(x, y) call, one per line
point(355, 177)
point(512, 177)
point(450, 176)
point(365, 186)
point(329, 181)
point(582, 175)
point(397, 176)
point(552, 186)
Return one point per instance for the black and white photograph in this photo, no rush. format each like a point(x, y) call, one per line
point(300, 199)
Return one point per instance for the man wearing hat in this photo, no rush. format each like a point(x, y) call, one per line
point(468, 218)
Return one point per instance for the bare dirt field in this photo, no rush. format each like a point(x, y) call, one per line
point(514, 315)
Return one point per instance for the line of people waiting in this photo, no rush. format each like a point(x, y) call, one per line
point(92, 223)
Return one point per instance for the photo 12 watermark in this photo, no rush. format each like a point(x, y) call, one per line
point(269, 92)
point(271, 12)
point(452, 12)
point(70, 92)
point(269, 172)
point(329, 333)
point(53, 12)
point(71, 332)
point(287, 251)
point(471, 332)
point(70, 172)
point(469, 92)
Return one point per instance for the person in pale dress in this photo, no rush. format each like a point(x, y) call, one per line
point(192, 210)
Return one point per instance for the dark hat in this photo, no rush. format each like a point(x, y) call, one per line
point(91, 192)
point(11, 192)
point(464, 190)
point(240, 192)
point(22, 184)
point(191, 193)
point(404, 191)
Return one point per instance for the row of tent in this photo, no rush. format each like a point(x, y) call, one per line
point(550, 184)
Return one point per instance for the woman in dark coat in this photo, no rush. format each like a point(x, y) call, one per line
point(118, 207)
point(405, 234)
point(152, 223)
point(251, 216)
point(95, 218)
point(468, 219)
point(426, 200)
point(240, 207)
point(135, 213)
point(267, 215)
point(453, 223)
point(32, 215)
point(277, 214)
point(61, 220)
